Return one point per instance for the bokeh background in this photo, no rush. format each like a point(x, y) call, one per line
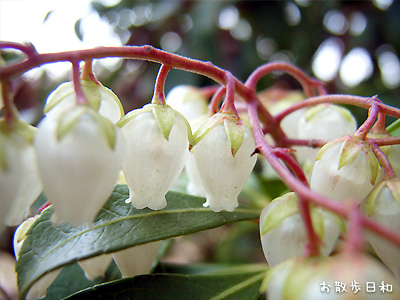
point(353, 46)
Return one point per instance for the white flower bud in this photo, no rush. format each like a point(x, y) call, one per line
point(383, 206)
point(80, 155)
point(20, 183)
point(317, 279)
point(283, 234)
point(136, 260)
point(157, 147)
point(96, 266)
point(99, 98)
point(223, 154)
point(344, 168)
point(39, 288)
point(323, 122)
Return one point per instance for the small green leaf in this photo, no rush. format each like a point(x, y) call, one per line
point(165, 118)
point(235, 133)
point(287, 206)
point(118, 226)
point(68, 120)
point(206, 126)
point(350, 149)
point(179, 286)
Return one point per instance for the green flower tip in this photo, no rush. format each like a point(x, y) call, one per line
point(70, 119)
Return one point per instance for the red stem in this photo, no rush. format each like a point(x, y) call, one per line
point(159, 95)
point(292, 164)
point(383, 160)
point(229, 104)
point(364, 102)
point(312, 248)
point(306, 82)
point(215, 100)
point(27, 49)
point(354, 237)
point(87, 72)
point(363, 130)
point(76, 79)
point(302, 190)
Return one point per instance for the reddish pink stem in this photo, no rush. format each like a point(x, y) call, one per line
point(312, 248)
point(229, 103)
point(354, 237)
point(363, 130)
point(292, 164)
point(159, 94)
point(383, 160)
point(302, 190)
point(364, 102)
point(306, 82)
point(27, 49)
point(76, 79)
point(87, 72)
point(215, 100)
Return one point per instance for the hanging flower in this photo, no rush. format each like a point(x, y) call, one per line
point(283, 234)
point(157, 145)
point(96, 266)
point(80, 154)
point(223, 153)
point(383, 206)
point(323, 122)
point(136, 260)
point(99, 98)
point(345, 167)
point(20, 183)
point(344, 276)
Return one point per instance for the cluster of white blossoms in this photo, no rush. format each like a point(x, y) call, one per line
point(345, 169)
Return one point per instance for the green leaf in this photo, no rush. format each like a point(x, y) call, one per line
point(118, 226)
point(242, 285)
point(72, 279)
point(394, 128)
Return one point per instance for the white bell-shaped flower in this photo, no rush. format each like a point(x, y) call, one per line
point(341, 277)
point(323, 122)
point(136, 260)
point(157, 147)
point(383, 206)
point(20, 183)
point(99, 98)
point(345, 167)
point(223, 154)
point(96, 266)
point(80, 154)
point(39, 288)
point(283, 235)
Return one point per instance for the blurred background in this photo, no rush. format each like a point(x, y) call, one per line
point(353, 46)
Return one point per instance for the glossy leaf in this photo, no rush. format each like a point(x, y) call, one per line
point(227, 284)
point(118, 226)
